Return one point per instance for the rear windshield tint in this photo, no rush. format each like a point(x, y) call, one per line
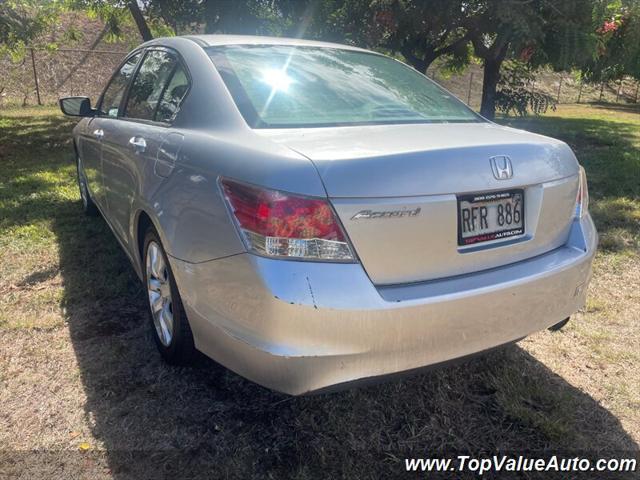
point(280, 86)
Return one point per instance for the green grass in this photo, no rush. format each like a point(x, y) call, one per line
point(40, 224)
point(605, 337)
point(606, 140)
point(77, 363)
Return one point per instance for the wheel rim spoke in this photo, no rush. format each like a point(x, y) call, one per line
point(158, 266)
point(159, 293)
point(153, 256)
point(156, 302)
point(166, 321)
point(154, 285)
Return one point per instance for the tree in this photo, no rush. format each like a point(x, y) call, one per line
point(115, 14)
point(219, 16)
point(618, 52)
point(535, 31)
point(141, 23)
point(514, 93)
point(181, 16)
point(21, 21)
point(421, 30)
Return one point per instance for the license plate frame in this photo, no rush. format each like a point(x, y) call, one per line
point(484, 198)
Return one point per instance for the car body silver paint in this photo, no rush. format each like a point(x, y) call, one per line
point(414, 298)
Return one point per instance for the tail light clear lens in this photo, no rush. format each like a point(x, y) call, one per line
point(582, 200)
point(278, 224)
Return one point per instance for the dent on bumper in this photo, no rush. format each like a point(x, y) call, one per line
point(302, 326)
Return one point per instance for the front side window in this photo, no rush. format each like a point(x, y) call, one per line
point(115, 90)
point(283, 86)
point(149, 84)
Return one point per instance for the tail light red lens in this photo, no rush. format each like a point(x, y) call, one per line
point(279, 224)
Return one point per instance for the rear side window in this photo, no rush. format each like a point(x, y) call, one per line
point(173, 96)
point(149, 84)
point(113, 93)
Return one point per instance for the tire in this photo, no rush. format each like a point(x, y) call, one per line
point(173, 338)
point(88, 206)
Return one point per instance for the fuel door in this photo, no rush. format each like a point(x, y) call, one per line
point(168, 154)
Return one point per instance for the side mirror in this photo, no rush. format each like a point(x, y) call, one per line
point(77, 106)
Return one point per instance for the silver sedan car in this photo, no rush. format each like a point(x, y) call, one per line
point(311, 214)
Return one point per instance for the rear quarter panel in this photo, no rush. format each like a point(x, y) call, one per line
point(188, 206)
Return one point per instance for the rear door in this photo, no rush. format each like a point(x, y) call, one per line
point(91, 141)
point(131, 150)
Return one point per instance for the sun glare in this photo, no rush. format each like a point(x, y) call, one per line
point(278, 80)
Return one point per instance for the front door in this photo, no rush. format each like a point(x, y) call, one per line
point(101, 129)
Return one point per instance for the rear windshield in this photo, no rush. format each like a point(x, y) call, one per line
point(280, 86)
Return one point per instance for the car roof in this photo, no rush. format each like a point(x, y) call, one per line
point(219, 40)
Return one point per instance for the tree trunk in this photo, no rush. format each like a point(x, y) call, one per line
point(415, 62)
point(145, 33)
point(421, 64)
point(489, 87)
point(428, 59)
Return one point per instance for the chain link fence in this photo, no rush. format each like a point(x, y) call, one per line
point(562, 86)
point(43, 76)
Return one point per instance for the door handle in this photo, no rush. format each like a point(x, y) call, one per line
point(98, 133)
point(138, 144)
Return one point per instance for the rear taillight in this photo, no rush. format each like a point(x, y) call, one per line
point(582, 200)
point(278, 224)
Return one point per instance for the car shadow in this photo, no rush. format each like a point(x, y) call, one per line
point(153, 419)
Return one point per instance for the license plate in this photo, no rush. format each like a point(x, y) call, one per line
point(484, 217)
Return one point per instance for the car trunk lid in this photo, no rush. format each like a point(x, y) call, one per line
point(411, 176)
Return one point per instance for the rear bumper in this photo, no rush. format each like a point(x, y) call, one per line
point(301, 326)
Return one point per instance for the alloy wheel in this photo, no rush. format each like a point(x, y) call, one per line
point(159, 292)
